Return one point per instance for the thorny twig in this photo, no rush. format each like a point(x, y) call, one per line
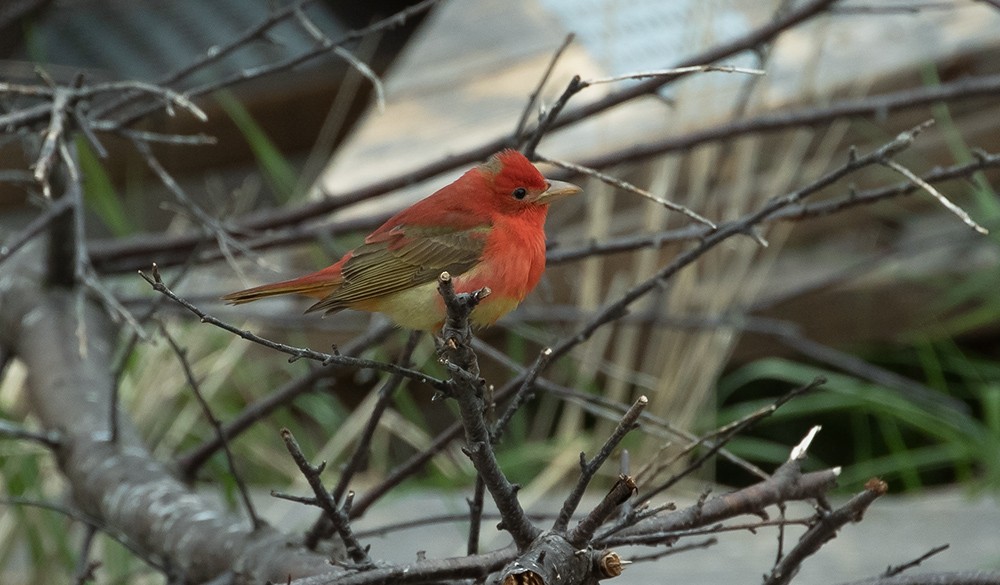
point(589, 468)
point(337, 516)
point(192, 460)
point(296, 353)
point(322, 528)
point(626, 186)
point(897, 569)
point(220, 431)
point(825, 529)
point(916, 180)
point(720, 438)
point(533, 98)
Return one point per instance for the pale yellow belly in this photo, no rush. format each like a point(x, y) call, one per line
point(422, 307)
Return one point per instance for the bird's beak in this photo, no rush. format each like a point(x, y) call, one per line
point(558, 190)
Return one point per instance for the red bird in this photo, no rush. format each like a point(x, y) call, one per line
point(485, 229)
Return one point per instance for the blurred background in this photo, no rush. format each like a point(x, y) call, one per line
point(895, 303)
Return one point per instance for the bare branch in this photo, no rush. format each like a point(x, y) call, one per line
point(916, 180)
point(467, 389)
point(620, 492)
point(668, 73)
point(322, 528)
point(892, 570)
point(626, 186)
point(337, 516)
point(943, 578)
point(220, 432)
point(791, 213)
point(192, 460)
point(324, 41)
point(823, 531)
point(533, 98)
point(296, 353)
point(786, 484)
point(131, 255)
point(589, 468)
point(35, 227)
point(53, 138)
point(719, 439)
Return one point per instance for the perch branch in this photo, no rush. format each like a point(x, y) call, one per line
point(295, 352)
point(467, 389)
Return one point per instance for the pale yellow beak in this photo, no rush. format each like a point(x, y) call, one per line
point(558, 190)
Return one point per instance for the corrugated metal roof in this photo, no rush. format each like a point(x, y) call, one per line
point(146, 39)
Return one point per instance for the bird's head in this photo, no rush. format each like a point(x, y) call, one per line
point(518, 186)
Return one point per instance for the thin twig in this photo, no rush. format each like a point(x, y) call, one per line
point(524, 392)
point(892, 570)
point(211, 225)
point(595, 404)
point(296, 353)
point(916, 180)
point(133, 254)
point(295, 60)
point(406, 469)
point(824, 530)
point(548, 118)
point(53, 138)
point(360, 66)
point(798, 212)
point(322, 528)
point(620, 492)
point(669, 73)
point(192, 460)
point(589, 468)
point(618, 308)
point(36, 226)
point(386, 394)
point(357, 553)
point(533, 98)
point(722, 436)
point(972, 577)
point(84, 567)
point(83, 270)
point(786, 484)
point(475, 515)
point(169, 97)
point(220, 432)
point(626, 186)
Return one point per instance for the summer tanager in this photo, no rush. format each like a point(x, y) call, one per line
point(486, 229)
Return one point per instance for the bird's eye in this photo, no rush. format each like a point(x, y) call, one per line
point(520, 193)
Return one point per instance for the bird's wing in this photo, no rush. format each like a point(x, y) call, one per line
point(402, 258)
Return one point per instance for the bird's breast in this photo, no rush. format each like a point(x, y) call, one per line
point(512, 263)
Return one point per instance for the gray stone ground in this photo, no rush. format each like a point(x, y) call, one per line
point(895, 530)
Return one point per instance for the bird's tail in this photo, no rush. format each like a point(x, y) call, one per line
point(318, 285)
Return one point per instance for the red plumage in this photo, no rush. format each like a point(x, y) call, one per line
point(485, 229)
